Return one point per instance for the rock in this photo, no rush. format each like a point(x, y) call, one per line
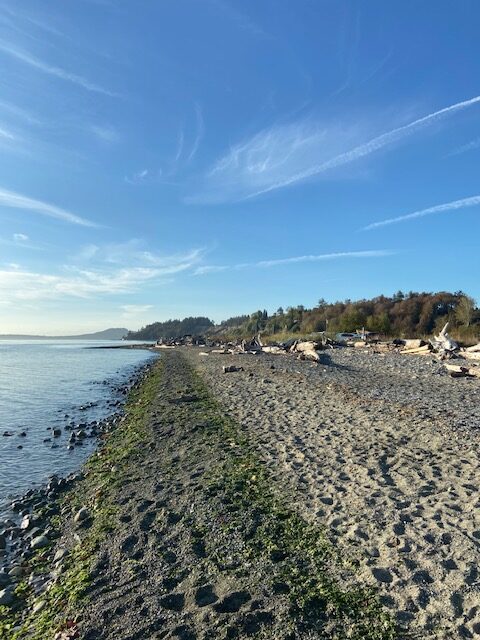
point(6, 597)
point(22, 434)
point(57, 432)
point(26, 523)
point(60, 554)
point(16, 572)
point(4, 579)
point(7, 434)
point(3, 541)
point(81, 515)
point(39, 542)
point(38, 606)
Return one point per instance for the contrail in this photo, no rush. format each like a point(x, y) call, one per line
point(439, 208)
point(372, 145)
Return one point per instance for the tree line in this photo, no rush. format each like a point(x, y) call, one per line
point(172, 329)
point(403, 315)
point(410, 315)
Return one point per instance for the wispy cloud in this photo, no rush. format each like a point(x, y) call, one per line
point(5, 134)
point(20, 237)
point(284, 155)
point(134, 253)
point(473, 201)
point(58, 72)
point(105, 133)
point(200, 132)
point(180, 143)
point(144, 176)
point(18, 112)
point(100, 279)
point(237, 17)
point(12, 200)
point(266, 264)
point(131, 311)
point(474, 144)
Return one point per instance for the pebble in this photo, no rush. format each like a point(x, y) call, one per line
point(39, 542)
point(81, 515)
point(6, 596)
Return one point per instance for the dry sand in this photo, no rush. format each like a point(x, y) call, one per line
point(384, 452)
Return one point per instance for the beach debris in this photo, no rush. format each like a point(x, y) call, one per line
point(459, 371)
point(232, 369)
point(424, 350)
point(443, 343)
point(474, 349)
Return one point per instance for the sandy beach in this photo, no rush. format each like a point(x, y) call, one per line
point(285, 500)
point(383, 451)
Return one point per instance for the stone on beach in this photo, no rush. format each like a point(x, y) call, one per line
point(39, 542)
point(81, 515)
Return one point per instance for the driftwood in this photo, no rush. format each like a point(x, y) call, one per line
point(275, 349)
point(443, 344)
point(418, 351)
point(459, 371)
point(470, 355)
point(232, 368)
point(474, 349)
point(307, 350)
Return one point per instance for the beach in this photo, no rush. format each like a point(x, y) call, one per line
point(284, 500)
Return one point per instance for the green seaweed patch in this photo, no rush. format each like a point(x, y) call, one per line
point(56, 608)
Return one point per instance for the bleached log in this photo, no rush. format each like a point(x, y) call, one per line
point(474, 349)
point(470, 355)
point(273, 349)
point(443, 343)
point(418, 351)
point(309, 355)
point(308, 345)
point(459, 371)
point(413, 344)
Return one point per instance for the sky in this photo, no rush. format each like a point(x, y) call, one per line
point(161, 159)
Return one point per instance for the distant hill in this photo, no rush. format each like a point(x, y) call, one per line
point(172, 329)
point(106, 334)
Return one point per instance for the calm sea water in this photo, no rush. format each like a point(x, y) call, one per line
point(47, 384)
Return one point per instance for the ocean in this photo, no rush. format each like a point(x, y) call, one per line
point(52, 384)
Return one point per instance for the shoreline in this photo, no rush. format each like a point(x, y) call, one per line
point(285, 499)
point(28, 513)
point(177, 521)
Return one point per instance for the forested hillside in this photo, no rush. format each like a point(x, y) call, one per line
point(409, 315)
point(401, 315)
point(172, 329)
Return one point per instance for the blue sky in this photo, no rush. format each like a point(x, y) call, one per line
point(211, 157)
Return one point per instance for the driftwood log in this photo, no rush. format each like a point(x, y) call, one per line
point(443, 344)
point(459, 371)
